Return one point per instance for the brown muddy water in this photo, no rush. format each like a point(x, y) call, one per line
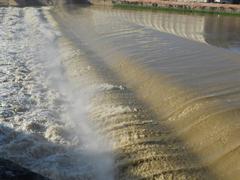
point(102, 93)
point(176, 112)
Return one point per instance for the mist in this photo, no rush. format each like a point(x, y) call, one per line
point(45, 110)
point(96, 148)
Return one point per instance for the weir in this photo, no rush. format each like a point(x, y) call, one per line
point(182, 128)
point(110, 94)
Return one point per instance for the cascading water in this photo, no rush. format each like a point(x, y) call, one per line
point(44, 122)
point(176, 81)
point(98, 93)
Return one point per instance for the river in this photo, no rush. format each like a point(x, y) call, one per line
point(185, 69)
point(103, 93)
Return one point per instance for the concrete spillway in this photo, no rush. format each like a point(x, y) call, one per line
point(172, 125)
point(110, 94)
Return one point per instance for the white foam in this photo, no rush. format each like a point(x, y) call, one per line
point(108, 87)
point(33, 19)
point(38, 128)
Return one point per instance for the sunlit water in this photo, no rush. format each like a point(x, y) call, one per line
point(101, 93)
point(185, 69)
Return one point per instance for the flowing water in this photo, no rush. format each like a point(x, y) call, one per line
point(102, 93)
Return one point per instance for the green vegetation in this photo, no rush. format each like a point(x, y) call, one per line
point(172, 9)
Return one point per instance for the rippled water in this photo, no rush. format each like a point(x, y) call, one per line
point(183, 70)
point(217, 30)
point(101, 93)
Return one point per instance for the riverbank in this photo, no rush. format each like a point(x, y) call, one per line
point(211, 8)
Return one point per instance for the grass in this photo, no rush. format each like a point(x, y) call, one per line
point(173, 9)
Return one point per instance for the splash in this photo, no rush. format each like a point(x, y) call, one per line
point(44, 121)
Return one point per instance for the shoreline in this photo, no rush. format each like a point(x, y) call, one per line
point(159, 5)
point(153, 5)
point(202, 8)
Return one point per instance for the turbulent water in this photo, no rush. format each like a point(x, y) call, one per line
point(43, 121)
point(100, 93)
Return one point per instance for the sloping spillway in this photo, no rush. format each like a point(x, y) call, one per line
point(98, 93)
point(177, 113)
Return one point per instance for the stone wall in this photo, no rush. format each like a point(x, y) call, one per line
point(181, 5)
point(101, 2)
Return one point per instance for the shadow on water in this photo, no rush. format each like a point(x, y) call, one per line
point(222, 31)
point(156, 152)
point(33, 152)
point(24, 3)
point(13, 170)
point(22, 143)
point(154, 138)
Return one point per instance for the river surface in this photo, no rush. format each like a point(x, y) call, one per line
point(185, 69)
point(102, 93)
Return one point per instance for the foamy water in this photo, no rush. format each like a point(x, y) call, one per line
point(178, 113)
point(44, 122)
point(113, 96)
